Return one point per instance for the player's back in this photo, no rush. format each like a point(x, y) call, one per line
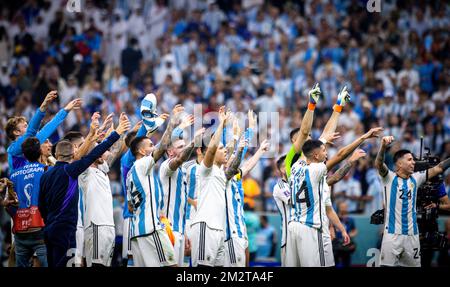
point(281, 195)
point(211, 198)
point(308, 202)
point(175, 197)
point(97, 197)
point(192, 182)
point(235, 208)
point(143, 192)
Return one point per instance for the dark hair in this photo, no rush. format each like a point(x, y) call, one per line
point(399, 154)
point(293, 132)
point(72, 135)
point(310, 145)
point(280, 161)
point(31, 149)
point(130, 137)
point(135, 144)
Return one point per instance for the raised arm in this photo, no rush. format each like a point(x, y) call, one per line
point(233, 169)
point(345, 151)
point(52, 125)
point(379, 160)
point(91, 138)
point(187, 151)
point(330, 127)
point(250, 164)
point(165, 140)
point(117, 149)
point(307, 121)
point(75, 168)
point(208, 160)
point(440, 168)
point(341, 172)
point(16, 147)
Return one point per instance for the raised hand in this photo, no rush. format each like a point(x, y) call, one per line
point(236, 127)
point(343, 97)
point(385, 141)
point(187, 122)
point(73, 105)
point(357, 154)
point(95, 121)
point(252, 119)
point(265, 145)
point(124, 124)
point(107, 122)
point(331, 137)
point(137, 126)
point(314, 94)
point(373, 133)
point(223, 114)
point(176, 111)
point(50, 97)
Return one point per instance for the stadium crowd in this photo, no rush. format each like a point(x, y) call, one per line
point(249, 54)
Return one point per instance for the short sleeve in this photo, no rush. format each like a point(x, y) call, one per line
point(165, 170)
point(204, 171)
point(317, 170)
point(282, 192)
point(419, 177)
point(145, 164)
point(388, 177)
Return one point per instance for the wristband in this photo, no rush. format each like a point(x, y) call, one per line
point(311, 106)
point(337, 108)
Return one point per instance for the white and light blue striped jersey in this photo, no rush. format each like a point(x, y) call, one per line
point(308, 201)
point(145, 195)
point(282, 197)
point(211, 203)
point(192, 184)
point(175, 197)
point(235, 210)
point(327, 200)
point(401, 195)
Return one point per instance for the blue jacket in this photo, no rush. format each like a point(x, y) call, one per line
point(58, 196)
point(15, 155)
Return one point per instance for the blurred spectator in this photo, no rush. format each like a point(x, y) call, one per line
point(342, 254)
point(266, 239)
point(348, 190)
point(253, 225)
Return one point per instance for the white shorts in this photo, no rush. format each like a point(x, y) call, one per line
point(400, 250)
point(207, 245)
point(153, 250)
point(304, 246)
point(126, 242)
point(99, 241)
point(328, 250)
point(179, 248)
point(79, 253)
point(235, 252)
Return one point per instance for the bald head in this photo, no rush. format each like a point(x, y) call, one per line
point(64, 151)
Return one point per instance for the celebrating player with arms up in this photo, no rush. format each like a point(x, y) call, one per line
point(97, 207)
point(208, 225)
point(150, 244)
point(400, 245)
point(175, 197)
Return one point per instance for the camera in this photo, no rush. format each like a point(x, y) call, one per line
point(427, 194)
point(377, 217)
